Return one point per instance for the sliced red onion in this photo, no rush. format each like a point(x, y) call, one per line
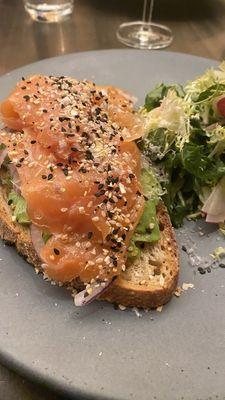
point(37, 240)
point(83, 298)
point(3, 154)
point(15, 178)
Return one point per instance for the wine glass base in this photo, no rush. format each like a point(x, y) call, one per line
point(144, 35)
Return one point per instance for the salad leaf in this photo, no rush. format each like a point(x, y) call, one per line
point(154, 97)
point(204, 93)
point(173, 115)
point(197, 162)
point(217, 138)
point(19, 207)
point(200, 85)
point(211, 92)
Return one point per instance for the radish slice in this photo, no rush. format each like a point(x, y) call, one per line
point(221, 106)
point(214, 207)
point(83, 298)
point(37, 240)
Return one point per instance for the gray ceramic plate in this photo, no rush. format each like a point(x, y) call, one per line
point(97, 352)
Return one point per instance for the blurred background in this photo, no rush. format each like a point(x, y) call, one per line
point(198, 28)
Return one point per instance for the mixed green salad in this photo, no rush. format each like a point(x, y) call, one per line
point(185, 144)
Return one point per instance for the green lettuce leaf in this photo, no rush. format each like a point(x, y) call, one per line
point(154, 97)
point(211, 92)
point(197, 162)
point(19, 207)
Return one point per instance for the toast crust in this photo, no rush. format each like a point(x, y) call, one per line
point(126, 290)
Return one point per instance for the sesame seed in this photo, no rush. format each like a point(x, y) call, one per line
point(100, 193)
point(99, 260)
point(65, 171)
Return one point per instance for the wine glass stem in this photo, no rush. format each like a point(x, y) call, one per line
point(147, 10)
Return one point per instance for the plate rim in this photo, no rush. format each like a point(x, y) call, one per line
point(119, 49)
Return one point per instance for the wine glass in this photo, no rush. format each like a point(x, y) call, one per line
point(145, 34)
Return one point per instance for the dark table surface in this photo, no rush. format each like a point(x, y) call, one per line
point(198, 27)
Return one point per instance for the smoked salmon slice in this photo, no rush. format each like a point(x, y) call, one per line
point(72, 144)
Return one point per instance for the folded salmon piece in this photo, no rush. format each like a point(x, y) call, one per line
point(72, 144)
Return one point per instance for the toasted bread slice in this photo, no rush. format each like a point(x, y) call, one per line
point(148, 282)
